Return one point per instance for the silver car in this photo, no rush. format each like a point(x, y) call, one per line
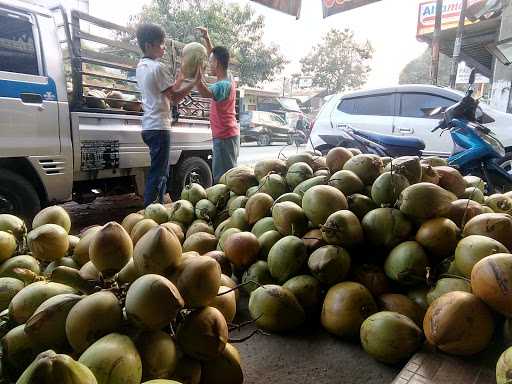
point(403, 111)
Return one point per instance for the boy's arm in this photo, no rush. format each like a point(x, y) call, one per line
point(206, 37)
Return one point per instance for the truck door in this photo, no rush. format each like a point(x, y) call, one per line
point(29, 123)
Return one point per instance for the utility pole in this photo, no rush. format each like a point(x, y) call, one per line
point(434, 69)
point(457, 48)
point(284, 84)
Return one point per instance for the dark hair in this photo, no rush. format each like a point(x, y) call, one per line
point(149, 34)
point(222, 56)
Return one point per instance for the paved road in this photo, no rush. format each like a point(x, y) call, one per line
point(251, 153)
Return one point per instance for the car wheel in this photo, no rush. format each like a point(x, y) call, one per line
point(506, 162)
point(289, 141)
point(17, 196)
point(191, 170)
point(264, 140)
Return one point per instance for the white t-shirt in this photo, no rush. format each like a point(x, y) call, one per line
point(153, 78)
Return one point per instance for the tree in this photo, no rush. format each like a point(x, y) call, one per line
point(418, 70)
point(339, 62)
point(234, 26)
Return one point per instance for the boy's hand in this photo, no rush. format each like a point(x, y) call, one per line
point(179, 78)
point(204, 31)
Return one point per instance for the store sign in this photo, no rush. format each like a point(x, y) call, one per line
point(331, 7)
point(463, 73)
point(291, 7)
point(450, 15)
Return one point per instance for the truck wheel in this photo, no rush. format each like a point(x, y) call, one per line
point(190, 170)
point(17, 196)
point(264, 140)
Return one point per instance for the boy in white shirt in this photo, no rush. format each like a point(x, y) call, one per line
point(158, 95)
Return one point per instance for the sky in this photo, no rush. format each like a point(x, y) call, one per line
point(389, 25)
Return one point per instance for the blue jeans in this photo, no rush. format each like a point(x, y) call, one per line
point(225, 155)
point(159, 143)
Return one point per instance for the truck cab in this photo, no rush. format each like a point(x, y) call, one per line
point(59, 143)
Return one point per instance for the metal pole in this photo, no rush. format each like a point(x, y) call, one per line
point(457, 47)
point(284, 84)
point(434, 68)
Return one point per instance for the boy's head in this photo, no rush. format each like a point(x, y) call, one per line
point(219, 60)
point(151, 39)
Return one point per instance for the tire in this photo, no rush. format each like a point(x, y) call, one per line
point(289, 141)
point(506, 162)
point(184, 170)
point(264, 140)
point(17, 196)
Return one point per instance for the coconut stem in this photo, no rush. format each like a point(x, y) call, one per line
point(243, 339)
point(239, 286)
point(455, 277)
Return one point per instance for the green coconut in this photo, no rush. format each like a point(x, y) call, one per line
point(473, 193)
point(91, 318)
point(347, 182)
point(267, 241)
point(451, 180)
point(203, 334)
point(65, 261)
point(297, 173)
point(158, 354)
point(89, 271)
point(336, 158)
point(345, 307)
point(407, 263)
point(263, 225)
point(18, 351)
point(387, 188)
point(224, 263)
point(372, 277)
point(128, 274)
point(11, 267)
point(199, 226)
point(237, 202)
point(429, 174)
point(225, 369)
point(224, 236)
point(390, 337)
point(52, 215)
point(342, 228)
point(302, 157)
point(113, 359)
point(8, 245)
point(360, 205)
point(308, 291)
point(14, 225)
point(242, 249)
point(193, 192)
point(286, 258)
point(474, 248)
point(48, 242)
point(275, 308)
point(156, 212)
point(26, 301)
point(157, 251)
point(263, 167)
point(152, 302)
point(302, 188)
point(129, 221)
point(239, 179)
point(329, 264)
point(499, 203)
point(239, 220)
point(81, 251)
point(402, 304)
point(251, 191)
point(425, 201)
point(273, 185)
point(9, 287)
point(257, 274)
point(225, 302)
point(289, 219)
point(474, 181)
point(408, 166)
point(182, 211)
point(199, 281)
point(445, 285)
point(503, 367)
point(434, 161)
point(200, 242)
point(497, 226)
point(47, 326)
point(49, 368)
point(313, 239)
point(463, 210)
point(111, 248)
point(258, 206)
point(194, 56)
point(320, 201)
point(205, 210)
point(438, 236)
point(419, 296)
point(187, 371)
point(290, 196)
point(386, 227)
point(366, 167)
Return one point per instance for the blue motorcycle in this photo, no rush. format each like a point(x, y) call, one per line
point(477, 151)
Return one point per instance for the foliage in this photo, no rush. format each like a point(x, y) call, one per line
point(418, 70)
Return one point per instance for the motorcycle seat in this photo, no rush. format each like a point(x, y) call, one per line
point(391, 140)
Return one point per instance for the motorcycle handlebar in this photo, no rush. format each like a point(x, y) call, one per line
point(439, 126)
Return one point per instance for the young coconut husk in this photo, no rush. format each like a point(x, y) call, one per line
point(329, 264)
point(386, 227)
point(445, 285)
point(225, 369)
point(463, 210)
point(52, 215)
point(263, 225)
point(14, 225)
point(199, 225)
point(407, 166)
point(439, 237)
point(407, 263)
point(459, 311)
point(11, 267)
point(372, 277)
point(158, 354)
point(156, 212)
point(499, 203)
point(297, 173)
point(8, 245)
point(313, 240)
point(429, 174)
point(188, 371)
point(242, 249)
point(193, 192)
point(497, 226)
point(81, 251)
point(264, 167)
point(303, 187)
point(320, 201)
point(89, 271)
point(289, 219)
point(425, 201)
point(470, 250)
point(308, 291)
point(182, 211)
point(157, 251)
point(366, 167)
point(287, 258)
point(387, 188)
point(360, 205)
point(176, 229)
point(342, 228)
point(257, 274)
point(273, 185)
point(92, 317)
point(474, 194)
point(200, 242)
point(199, 282)
point(267, 241)
point(113, 359)
point(9, 287)
point(451, 180)
point(203, 334)
point(347, 182)
point(290, 196)
point(225, 302)
point(48, 242)
point(110, 249)
point(237, 202)
point(398, 303)
point(205, 210)
point(18, 351)
point(152, 302)
point(226, 234)
point(239, 220)
point(224, 263)
point(258, 206)
point(304, 157)
point(239, 179)
point(336, 158)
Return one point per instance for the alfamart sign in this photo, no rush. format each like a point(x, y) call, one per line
point(450, 15)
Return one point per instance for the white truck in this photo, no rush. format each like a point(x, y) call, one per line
point(58, 143)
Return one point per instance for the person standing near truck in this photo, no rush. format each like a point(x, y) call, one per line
point(158, 94)
point(225, 130)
